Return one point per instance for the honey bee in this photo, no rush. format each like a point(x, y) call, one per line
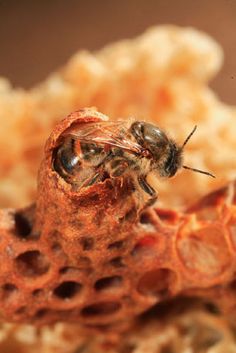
point(91, 152)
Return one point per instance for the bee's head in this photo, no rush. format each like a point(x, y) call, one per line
point(173, 162)
point(150, 137)
point(167, 155)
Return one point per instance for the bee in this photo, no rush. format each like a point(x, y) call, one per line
point(91, 152)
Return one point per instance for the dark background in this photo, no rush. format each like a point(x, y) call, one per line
point(36, 36)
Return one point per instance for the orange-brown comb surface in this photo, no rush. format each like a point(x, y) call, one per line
point(99, 256)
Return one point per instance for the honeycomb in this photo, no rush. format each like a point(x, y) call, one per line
point(100, 256)
point(161, 76)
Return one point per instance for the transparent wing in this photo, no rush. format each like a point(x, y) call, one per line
point(105, 132)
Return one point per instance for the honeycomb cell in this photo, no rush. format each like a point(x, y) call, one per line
point(116, 245)
point(22, 225)
point(101, 308)
point(156, 282)
point(67, 290)
point(204, 250)
point(108, 283)
point(117, 262)
point(32, 263)
point(8, 291)
point(87, 243)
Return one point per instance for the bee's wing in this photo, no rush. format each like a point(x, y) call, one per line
point(105, 132)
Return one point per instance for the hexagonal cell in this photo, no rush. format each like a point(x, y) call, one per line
point(101, 308)
point(116, 245)
point(67, 289)
point(22, 225)
point(156, 282)
point(8, 291)
point(204, 250)
point(32, 263)
point(117, 262)
point(87, 243)
point(108, 283)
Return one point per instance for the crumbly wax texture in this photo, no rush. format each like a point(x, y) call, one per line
point(195, 330)
point(160, 76)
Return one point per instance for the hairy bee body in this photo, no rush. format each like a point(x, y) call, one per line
point(92, 152)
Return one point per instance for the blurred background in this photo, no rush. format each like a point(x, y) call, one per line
point(38, 36)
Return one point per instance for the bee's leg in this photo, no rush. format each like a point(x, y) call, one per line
point(94, 179)
point(105, 159)
point(118, 166)
point(101, 173)
point(147, 188)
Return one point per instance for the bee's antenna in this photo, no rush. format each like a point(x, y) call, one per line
point(194, 169)
point(198, 170)
point(189, 136)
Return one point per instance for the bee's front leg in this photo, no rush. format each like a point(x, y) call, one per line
point(119, 164)
point(94, 179)
point(148, 189)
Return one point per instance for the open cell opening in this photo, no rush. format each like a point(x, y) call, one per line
point(116, 245)
point(22, 225)
point(108, 283)
point(101, 308)
point(117, 262)
point(87, 243)
point(155, 282)
point(67, 290)
point(32, 263)
point(8, 290)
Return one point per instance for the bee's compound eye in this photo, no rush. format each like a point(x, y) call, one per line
point(154, 136)
point(174, 160)
point(149, 136)
point(137, 130)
